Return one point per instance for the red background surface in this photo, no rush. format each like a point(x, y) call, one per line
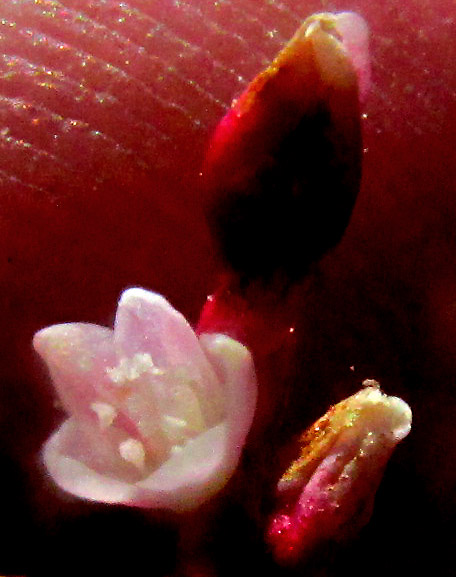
point(106, 110)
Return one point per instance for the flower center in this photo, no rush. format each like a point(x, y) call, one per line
point(159, 409)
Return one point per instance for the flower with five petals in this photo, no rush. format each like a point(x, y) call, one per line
point(157, 416)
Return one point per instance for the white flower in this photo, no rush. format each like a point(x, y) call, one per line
point(157, 416)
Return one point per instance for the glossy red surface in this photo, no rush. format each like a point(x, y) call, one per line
point(105, 115)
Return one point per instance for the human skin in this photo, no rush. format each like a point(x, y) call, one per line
point(81, 219)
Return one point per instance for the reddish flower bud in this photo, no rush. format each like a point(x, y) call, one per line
point(283, 169)
point(328, 492)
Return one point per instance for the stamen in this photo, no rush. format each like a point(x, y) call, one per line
point(175, 429)
point(133, 452)
point(106, 414)
point(131, 369)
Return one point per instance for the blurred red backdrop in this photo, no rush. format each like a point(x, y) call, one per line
point(106, 109)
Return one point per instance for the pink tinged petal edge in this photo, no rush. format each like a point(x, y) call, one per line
point(77, 478)
point(341, 49)
point(207, 462)
point(76, 355)
point(184, 482)
point(355, 38)
point(235, 368)
point(147, 323)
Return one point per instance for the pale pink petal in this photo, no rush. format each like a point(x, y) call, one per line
point(355, 38)
point(205, 463)
point(74, 476)
point(187, 479)
point(191, 475)
point(146, 324)
point(182, 483)
point(235, 369)
point(76, 355)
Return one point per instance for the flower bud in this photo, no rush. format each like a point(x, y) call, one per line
point(328, 492)
point(283, 169)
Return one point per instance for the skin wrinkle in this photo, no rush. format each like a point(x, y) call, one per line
point(15, 146)
point(57, 158)
point(137, 17)
point(71, 15)
point(125, 44)
point(117, 29)
point(124, 82)
point(189, 12)
point(53, 48)
point(15, 113)
point(12, 179)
